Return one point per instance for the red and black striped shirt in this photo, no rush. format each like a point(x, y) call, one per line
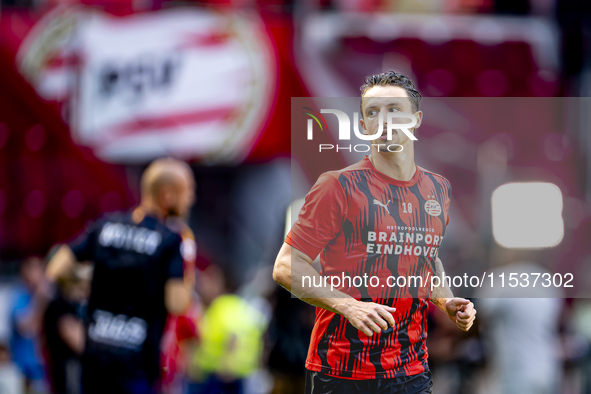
point(363, 222)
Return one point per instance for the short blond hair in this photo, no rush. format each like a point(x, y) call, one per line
point(163, 172)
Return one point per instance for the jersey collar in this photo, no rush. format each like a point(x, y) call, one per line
point(396, 182)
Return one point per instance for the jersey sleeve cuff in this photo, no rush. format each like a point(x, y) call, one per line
point(302, 242)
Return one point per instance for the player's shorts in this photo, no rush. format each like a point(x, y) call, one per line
point(99, 380)
point(320, 383)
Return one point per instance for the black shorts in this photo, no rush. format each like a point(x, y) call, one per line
point(320, 383)
point(102, 379)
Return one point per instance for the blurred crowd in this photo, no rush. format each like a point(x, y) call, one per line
point(253, 338)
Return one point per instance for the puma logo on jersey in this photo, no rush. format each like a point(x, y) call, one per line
point(376, 202)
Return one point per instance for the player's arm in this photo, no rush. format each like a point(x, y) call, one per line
point(177, 295)
point(71, 330)
point(292, 265)
point(61, 263)
point(81, 250)
point(460, 310)
point(177, 288)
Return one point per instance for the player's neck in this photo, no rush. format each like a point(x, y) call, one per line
point(148, 209)
point(397, 165)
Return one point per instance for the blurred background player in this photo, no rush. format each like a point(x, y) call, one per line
point(181, 330)
point(138, 277)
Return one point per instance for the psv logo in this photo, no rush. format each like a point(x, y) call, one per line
point(432, 207)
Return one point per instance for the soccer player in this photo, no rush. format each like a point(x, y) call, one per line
point(382, 217)
point(138, 278)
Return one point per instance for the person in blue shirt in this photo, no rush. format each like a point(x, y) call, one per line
point(30, 298)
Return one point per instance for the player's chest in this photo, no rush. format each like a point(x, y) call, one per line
point(397, 210)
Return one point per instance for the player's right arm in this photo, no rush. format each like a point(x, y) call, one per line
point(61, 263)
point(292, 265)
point(320, 221)
point(81, 250)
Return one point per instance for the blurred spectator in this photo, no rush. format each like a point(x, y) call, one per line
point(577, 344)
point(455, 357)
point(30, 300)
point(11, 378)
point(231, 333)
point(522, 333)
point(289, 334)
point(64, 331)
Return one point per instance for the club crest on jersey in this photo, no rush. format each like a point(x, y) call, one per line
point(376, 202)
point(432, 207)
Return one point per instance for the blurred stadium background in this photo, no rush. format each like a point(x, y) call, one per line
point(92, 91)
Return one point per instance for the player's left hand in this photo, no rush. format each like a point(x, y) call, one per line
point(461, 311)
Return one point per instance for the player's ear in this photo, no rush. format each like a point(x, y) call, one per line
point(419, 116)
point(363, 126)
point(361, 119)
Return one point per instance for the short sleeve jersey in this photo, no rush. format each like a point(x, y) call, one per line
point(126, 310)
point(363, 222)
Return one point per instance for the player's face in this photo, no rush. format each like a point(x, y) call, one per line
point(32, 272)
point(186, 196)
point(384, 100)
